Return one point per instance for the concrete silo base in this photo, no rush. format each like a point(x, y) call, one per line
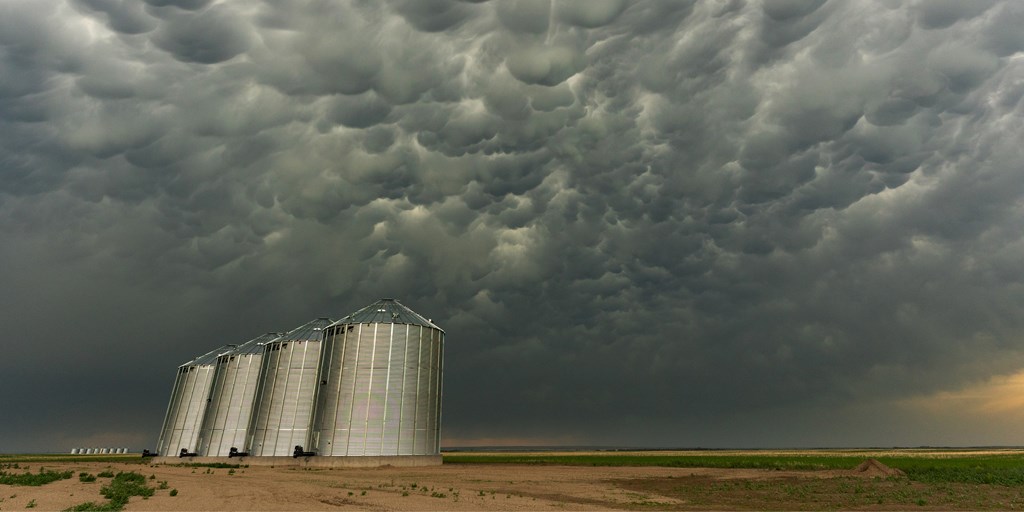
point(312, 462)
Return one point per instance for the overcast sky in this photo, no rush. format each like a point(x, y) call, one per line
point(722, 223)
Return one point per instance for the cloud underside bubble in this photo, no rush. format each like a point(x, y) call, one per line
point(655, 208)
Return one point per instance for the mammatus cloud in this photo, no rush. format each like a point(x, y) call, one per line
point(639, 222)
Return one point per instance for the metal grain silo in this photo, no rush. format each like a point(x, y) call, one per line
point(284, 398)
point(226, 421)
point(188, 403)
point(380, 384)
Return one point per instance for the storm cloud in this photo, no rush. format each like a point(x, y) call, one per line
point(671, 223)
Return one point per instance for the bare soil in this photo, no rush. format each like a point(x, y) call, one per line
point(515, 487)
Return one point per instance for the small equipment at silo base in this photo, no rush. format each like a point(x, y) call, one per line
point(235, 453)
point(299, 452)
point(185, 453)
point(147, 453)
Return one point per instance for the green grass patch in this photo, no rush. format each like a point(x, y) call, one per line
point(1005, 470)
point(92, 506)
point(122, 487)
point(992, 469)
point(792, 463)
point(127, 458)
point(42, 477)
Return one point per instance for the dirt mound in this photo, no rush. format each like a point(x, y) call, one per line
point(872, 467)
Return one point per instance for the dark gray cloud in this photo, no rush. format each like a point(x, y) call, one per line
point(717, 223)
point(210, 36)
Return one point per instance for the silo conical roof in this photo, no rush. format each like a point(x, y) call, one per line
point(255, 345)
point(309, 331)
point(210, 357)
point(387, 311)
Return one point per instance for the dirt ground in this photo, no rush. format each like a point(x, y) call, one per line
point(491, 487)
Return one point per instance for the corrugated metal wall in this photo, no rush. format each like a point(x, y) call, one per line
point(185, 412)
point(172, 413)
point(284, 399)
point(226, 421)
point(380, 389)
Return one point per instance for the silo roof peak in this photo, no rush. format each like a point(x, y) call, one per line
point(255, 345)
point(387, 311)
point(309, 331)
point(210, 357)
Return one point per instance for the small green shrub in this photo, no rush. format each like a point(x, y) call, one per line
point(43, 477)
point(31, 504)
point(86, 477)
point(174, 492)
point(92, 506)
point(124, 486)
point(106, 474)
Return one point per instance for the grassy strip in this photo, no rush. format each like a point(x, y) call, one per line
point(772, 462)
point(1005, 470)
point(128, 458)
point(43, 477)
point(120, 490)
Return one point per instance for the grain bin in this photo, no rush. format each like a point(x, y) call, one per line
point(226, 421)
point(188, 403)
point(284, 398)
point(380, 384)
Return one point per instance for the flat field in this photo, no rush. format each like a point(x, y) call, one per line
point(656, 480)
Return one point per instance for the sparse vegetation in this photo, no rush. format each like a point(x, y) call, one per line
point(31, 504)
point(174, 492)
point(132, 458)
point(86, 477)
point(789, 493)
point(106, 474)
point(996, 469)
point(43, 477)
point(124, 486)
point(121, 489)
